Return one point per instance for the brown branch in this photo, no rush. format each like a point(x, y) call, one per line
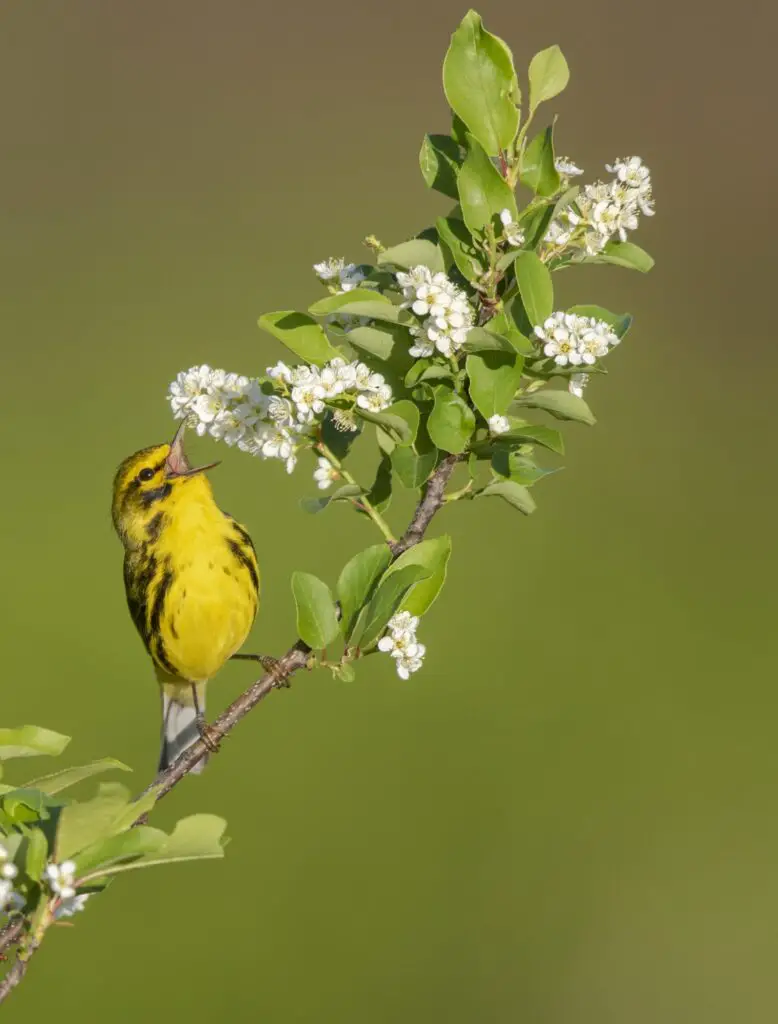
point(16, 973)
point(11, 933)
point(427, 507)
point(296, 658)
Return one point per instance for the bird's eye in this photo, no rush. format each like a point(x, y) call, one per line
point(146, 474)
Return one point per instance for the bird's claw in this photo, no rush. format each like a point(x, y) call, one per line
point(210, 736)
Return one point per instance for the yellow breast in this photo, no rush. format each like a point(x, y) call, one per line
point(193, 587)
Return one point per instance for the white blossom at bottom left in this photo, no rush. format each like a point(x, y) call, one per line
point(401, 643)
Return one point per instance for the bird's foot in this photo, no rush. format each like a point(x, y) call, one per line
point(210, 736)
point(271, 665)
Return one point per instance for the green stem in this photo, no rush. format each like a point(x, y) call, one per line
point(373, 512)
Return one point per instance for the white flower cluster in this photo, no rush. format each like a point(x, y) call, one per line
point(347, 275)
point(400, 641)
point(62, 882)
point(605, 210)
point(9, 897)
point(449, 315)
point(512, 232)
point(576, 340)
point(234, 409)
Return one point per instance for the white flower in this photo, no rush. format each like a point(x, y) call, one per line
point(423, 346)
point(72, 905)
point(557, 234)
point(61, 879)
point(309, 399)
point(632, 171)
point(375, 401)
point(513, 233)
point(409, 663)
point(449, 314)
point(351, 276)
point(325, 474)
point(329, 269)
point(572, 340)
point(280, 372)
point(565, 166)
point(577, 383)
point(499, 424)
point(400, 642)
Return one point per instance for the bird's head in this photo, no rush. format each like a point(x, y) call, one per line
point(151, 481)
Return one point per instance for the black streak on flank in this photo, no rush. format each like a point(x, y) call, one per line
point(154, 527)
point(241, 555)
point(157, 494)
point(243, 535)
point(159, 602)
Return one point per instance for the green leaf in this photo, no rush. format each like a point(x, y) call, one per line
point(483, 192)
point(414, 465)
point(30, 741)
point(531, 433)
point(317, 504)
point(535, 288)
point(620, 322)
point(519, 468)
point(503, 326)
point(119, 849)
point(548, 76)
point(494, 378)
point(345, 672)
point(511, 492)
point(379, 309)
point(198, 837)
point(451, 422)
point(432, 555)
point(81, 824)
point(373, 340)
point(538, 170)
point(389, 595)
point(481, 340)
point(317, 617)
point(331, 303)
point(534, 223)
point(458, 243)
point(57, 781)
point(624, 254)
point(300, 333)
point(561, 404)
point(393, 423)
point(439, 160)
point(416, 252)
point(24, 804)
point(480, 84)
point(357, 581)
point(36, 854)
point(425, 369)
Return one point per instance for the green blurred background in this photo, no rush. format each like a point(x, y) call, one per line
point(569, 815)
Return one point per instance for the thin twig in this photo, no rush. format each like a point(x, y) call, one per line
point(296, 658)
point(11, 933)
point(16, 973)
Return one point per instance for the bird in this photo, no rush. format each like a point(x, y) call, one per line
point(191, 580)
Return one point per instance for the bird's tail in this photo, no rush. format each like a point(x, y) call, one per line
point(179, 723)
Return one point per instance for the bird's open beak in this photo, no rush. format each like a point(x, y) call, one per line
point(176, 463)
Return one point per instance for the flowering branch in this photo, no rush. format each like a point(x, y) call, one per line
point(441, 351)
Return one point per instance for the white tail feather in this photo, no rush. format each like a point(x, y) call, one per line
point(179, 727)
